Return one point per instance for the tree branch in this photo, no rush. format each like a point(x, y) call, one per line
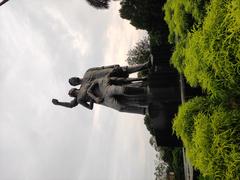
point(3, 2)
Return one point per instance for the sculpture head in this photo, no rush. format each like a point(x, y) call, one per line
point(73, 92)
point(74, 81)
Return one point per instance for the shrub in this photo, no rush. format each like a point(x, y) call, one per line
point(210, 55)
point(181, 15)
point(210, 134)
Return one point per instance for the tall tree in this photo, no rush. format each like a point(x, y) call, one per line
point(3, 2)
point(99, 4)
point(143, 14)
point(140, 53)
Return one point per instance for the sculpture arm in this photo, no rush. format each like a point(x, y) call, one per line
point(111, 66)
point(85, 104)
point(120, 81)
point(103, 67)
point(71, 104)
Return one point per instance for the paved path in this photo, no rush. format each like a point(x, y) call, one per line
point(188, 169)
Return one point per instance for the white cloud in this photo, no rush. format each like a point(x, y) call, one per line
point(127, 147)
point(41, 45)
point(120, 37)
point(78, 40)
point(96, 118)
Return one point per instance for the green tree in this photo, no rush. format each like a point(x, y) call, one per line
point(209, 129)
point(140, 53)
point(100, 4)
point(143, 14)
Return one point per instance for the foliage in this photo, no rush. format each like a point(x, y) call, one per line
point(99, 4)
point(201, 177)
point(148, 15)
point(161, 166)
point(161, 169)
point(181, 15)
point(168, 159)
point(177, 163)
point(173, 156)
point(210, 55)
point(147, 122)
point(207, 38)
point(210, 132)
point(207, 52)
point(140, 53)
point(143, 14)
point(155, 38)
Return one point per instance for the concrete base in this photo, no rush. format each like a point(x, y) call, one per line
point(165, 99)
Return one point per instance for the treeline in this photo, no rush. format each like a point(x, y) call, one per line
point(202, 40)
point(148, 15)
point(143, 14)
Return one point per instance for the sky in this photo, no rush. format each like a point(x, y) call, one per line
point(43, 43)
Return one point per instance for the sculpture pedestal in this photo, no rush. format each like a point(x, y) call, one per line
point(164, 85)
point(164, 101)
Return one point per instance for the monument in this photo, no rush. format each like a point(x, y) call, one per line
point(110, 86)
point(157, 95)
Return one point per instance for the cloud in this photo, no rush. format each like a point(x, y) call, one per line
point(77, 38)
point(116, 140)
point(120, 37)
point(42, 44)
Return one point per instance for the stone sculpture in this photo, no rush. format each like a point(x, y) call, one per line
point(110, 86)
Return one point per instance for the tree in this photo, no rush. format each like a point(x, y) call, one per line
point(100, 4)
point(148, 124)
point(3, 2)
point(143, 14)
point(140, 53)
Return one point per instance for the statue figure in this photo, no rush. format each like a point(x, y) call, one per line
point(103, 92)
point(115, 70)
point(105, 86)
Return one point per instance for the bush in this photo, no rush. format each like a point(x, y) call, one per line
point(143, 14)
point(173, 157)
point(210, 134)
point(181, 15)
point(210, 55)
